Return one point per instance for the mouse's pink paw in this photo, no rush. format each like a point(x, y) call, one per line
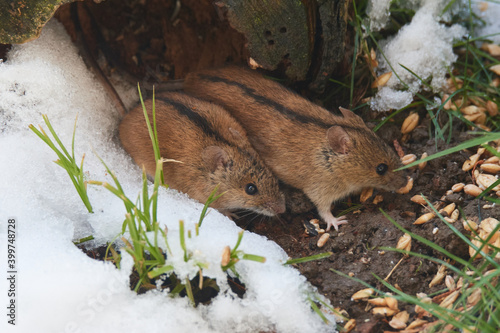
point(335, 222)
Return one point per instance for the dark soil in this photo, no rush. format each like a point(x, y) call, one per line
point(140, 38)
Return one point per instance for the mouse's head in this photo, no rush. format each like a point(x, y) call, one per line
point(362, 157)
point(246, 182)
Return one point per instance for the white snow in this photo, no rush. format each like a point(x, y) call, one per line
point(378, 13)
point(491, 27)
point(425, 46)
point(59, 288)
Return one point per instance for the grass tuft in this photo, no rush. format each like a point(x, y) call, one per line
point(65, 160)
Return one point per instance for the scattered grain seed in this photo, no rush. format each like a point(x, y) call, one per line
point(483, 6)
point(474, 118)
point(392, 303)
point(495, 69)
point(492, 108)
point(455, 214)
point(460, 282)
point(409, 158)
point(470, 110)
point(399, 320)
point(457, 187)
point(384, 311)
point(487, 206)
point(490, 167)
point(449, 192)
point(366, 194)
point(365, 260)
point(424, 218)
point(435, 230)
point(397, 324)
point(472, 189)
point(489, 225)
point(477, 101)
point(321, 231)
point(447, 100)
point(418, 198)
point(416, 323)
point(484, 127)
point(322, 240)
point(362, 294)
point(438, 278)
point(448, 209)
point(484, 181)
point(381, 80)
point(468, 165)
point(470, 225)
point(226, 256)
point(478, 244)
point(449, 300)
point(378, 199)
point(492, 49)
point(495, 82)
point(449, 219)
point(315, 223)
point(475, 173)
point(481, 120)
point(497, 193)
point(492, 159)
point(373, 55)
point(449, 282)
point(404, 242)
point(351, 274)
point(378, 301)
point(453, 84)
point(422, 165)
point(410, 123)
point(405, 189)
point(474, 297)
point(350, 325)
point(372, 60)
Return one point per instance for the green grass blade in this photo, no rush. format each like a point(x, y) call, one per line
point(318, 256)
point(464, 145)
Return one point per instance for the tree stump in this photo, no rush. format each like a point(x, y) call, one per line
point(23, 20)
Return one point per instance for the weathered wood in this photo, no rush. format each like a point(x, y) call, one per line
point(277, 33)
point(22, 20)
point(333, 21)
point(306, 38)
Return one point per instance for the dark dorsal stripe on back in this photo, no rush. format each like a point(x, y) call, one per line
point(287, 112)
point(196, 119)
point(202, 123)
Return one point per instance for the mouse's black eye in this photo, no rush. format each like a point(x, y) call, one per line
point(250, 189)
point(382, 169)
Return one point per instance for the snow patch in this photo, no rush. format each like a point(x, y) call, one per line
point(424, 46)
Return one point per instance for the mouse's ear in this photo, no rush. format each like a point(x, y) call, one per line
point(348, 114)
point(214, 157)
point(338, 139)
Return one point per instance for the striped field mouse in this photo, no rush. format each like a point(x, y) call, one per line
point(212, 148)
point(326, 156)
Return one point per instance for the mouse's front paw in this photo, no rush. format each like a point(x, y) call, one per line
point(335, 222)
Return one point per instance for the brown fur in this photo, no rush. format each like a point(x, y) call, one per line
point(212, 147)
point(328, 157)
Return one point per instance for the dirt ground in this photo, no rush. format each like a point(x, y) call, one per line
point(147, 43)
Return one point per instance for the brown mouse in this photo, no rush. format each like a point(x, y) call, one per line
point(212, 148)
point(326, 156)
